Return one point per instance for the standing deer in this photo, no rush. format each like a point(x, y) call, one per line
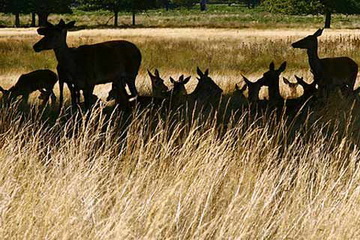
point(292, 86)
point(329, 73)
point(82, 68)
point(40, 80)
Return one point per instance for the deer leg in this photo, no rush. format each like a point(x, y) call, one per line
point(130, 81)
point(122, 96)
point(88, 95)
point(53, 98)
point(61, 86)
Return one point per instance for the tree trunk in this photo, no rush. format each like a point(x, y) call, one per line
point(203, 5)
point(43, 19)
point(33, 19)
point(133, 18)
point(116, 18)
point(17, 19)
point(328, 19)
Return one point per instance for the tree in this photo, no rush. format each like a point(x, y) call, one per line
point(186, 3)
point(15, 7)
point(43, 8)
point(326, 7)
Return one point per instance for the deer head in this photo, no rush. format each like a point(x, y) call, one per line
point(254, 88)
point(292, 86)
point(179, 86)
point(54, 36)
point(158, 87)
point(309, 89)
point(206, 86)
point(309, 42)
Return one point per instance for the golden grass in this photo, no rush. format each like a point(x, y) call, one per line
point(149, 175)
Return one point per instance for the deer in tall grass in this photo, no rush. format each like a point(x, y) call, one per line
point(253, 89)
point(207, 92)
point(292, 86)
point(271, 80)
point(84, 67)
point(178, 94)
point(40, 80)
point(329, 73)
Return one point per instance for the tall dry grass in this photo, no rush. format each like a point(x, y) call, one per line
point(160, 177)
point(154, 175)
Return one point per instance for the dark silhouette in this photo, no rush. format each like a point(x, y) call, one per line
point(82, 68)
point(329, 73)
point(40, 80)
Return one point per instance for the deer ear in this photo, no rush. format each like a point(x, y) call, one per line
point(186, 80)
point(272, 66)
point(199, 72)
point(207, 72)
point(150, 74)
point(319, 32)
point(172, 80)
point(237, 87)
point(282, 67)
point(181, 78)
point(247, 81)
point(157, 74)
point(286, 81)
point(70, 25)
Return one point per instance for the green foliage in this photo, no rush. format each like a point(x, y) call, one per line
point(185, 3)
point(312, 6)
point(15, 6)
point(51, 6)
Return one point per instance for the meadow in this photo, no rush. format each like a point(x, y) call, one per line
point(153, 175)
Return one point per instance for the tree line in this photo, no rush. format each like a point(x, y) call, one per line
point(41, 9)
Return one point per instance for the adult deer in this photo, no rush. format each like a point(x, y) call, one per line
point(207, 92)
point(253, 89)
point(178, 94)
point(329, 73)
point(271, 80)
point(40, 80)
point(82, 68)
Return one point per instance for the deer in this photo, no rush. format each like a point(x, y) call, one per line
point(271, 80)
point(292, 86)
point(207, 92)
point(253, 89)
point(178, 94)
point(329, 73)
point(159, 89)
point(39, 80)
point(84, 67)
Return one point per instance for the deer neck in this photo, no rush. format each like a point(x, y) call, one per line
point(63, 56)
point(314, 61)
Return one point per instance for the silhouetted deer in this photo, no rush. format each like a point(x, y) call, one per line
point(84, 67)
point(329, 73)
point(271, 80)
point(254, 89)
point(207, 92)
point(309, 88)
point(159, 89)
point(178, 93)
point(40, 80)
point(292, 86)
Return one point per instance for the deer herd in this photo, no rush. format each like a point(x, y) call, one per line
point(118, 63)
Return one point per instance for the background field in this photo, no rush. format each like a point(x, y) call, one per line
point(150, 176)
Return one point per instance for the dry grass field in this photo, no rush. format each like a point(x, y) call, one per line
point(152, 175)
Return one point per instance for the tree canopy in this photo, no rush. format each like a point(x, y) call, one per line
point(326, 7)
